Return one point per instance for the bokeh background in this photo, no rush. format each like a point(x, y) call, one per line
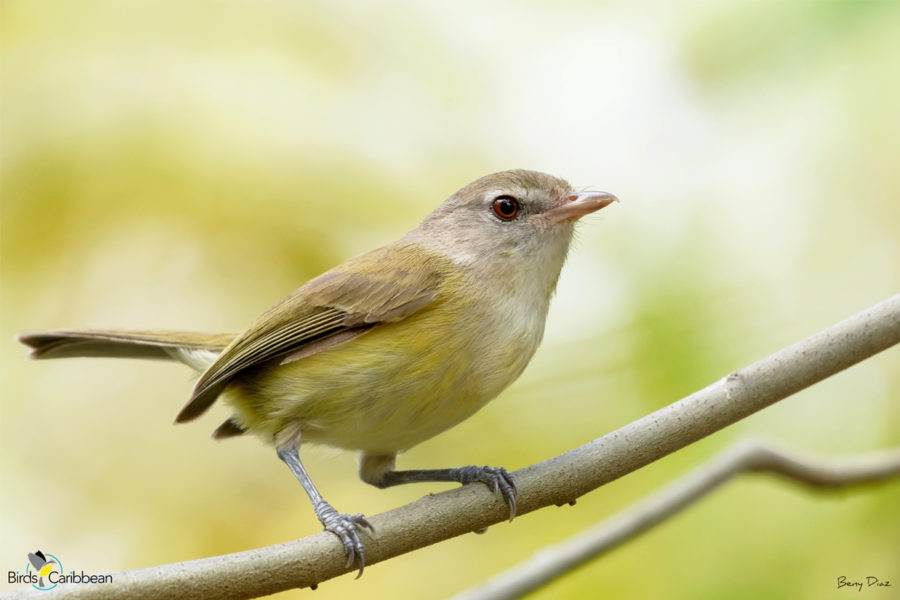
point(185, 165)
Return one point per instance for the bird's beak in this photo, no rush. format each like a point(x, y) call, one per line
point(573, 207)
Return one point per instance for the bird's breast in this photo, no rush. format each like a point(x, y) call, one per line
point(398, 384)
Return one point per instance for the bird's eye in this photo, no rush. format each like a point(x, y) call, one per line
point(506, 207)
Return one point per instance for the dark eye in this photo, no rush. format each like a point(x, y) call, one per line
point(506, 207)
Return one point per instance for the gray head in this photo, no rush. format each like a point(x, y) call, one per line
point(519, 222)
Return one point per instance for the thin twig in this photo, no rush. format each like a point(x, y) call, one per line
point(553, 562)
point(317, 558)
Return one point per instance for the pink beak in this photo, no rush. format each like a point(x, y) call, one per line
point(575, 206)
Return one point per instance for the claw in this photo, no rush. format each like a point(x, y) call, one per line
point(497, 479)
point(346, 528)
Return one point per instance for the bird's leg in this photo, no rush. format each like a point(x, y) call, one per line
point(378, 470)
point(342, 525)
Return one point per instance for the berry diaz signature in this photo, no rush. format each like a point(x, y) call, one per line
point(868, 582)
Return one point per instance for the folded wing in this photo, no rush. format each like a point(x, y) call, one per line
point(386, 285)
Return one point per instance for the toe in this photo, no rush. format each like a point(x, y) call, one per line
point(502, 484)
point(346, 528)
point(361, 521)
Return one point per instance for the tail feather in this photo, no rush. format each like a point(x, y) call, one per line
point(182, 346)
point(230, 428)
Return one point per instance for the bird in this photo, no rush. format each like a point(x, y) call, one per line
point(387, 349)
point(40, 563)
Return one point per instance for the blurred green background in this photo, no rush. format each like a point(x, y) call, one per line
point(185, 165)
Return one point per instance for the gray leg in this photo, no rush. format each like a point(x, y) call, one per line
point(378, 470)
point(343, 526)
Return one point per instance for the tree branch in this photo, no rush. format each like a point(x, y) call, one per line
point(317, 558)
point(553, 562)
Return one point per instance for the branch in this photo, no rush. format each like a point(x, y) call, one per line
point(434, 518)
point(553, 562)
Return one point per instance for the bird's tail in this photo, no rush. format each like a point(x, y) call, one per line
point(197, 350)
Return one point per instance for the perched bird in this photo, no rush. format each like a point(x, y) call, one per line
point(386, 349)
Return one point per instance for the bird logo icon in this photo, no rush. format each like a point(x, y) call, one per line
point(43, 567)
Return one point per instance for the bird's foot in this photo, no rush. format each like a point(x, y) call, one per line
point(346, 527)
point(496, 478)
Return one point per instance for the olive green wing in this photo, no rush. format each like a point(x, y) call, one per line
point(385, 285)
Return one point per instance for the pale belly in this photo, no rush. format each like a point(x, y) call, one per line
point(391, 388)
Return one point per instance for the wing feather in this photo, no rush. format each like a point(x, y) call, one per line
point(385, 285)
